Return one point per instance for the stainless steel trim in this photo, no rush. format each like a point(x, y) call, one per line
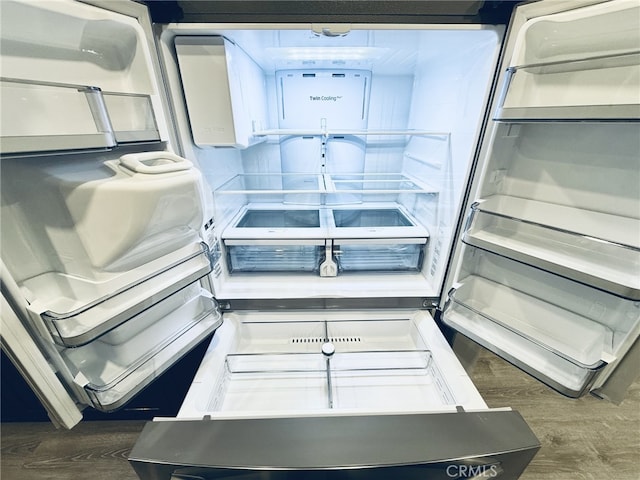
point(410, 446)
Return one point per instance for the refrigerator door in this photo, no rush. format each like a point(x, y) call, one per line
point(546, 271)
point(333, 394)
point(104, 272)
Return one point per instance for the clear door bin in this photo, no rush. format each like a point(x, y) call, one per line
point(132, 117)
point(59, 117)
point(118, 365)
point(558, 330)
point(39, 117)
point(567, 75)
point(77, 310)
point(595, 248)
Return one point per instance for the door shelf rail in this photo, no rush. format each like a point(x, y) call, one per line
point(591, 62)
point(569, 347)
point(594, 248)
point(44, 117)
point(115, 367)
point(80, 310)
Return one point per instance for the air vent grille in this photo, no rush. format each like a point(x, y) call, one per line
point(346, 339)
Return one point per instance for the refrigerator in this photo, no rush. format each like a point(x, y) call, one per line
point(322, 194)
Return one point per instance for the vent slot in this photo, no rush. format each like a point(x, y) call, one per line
point(346, 339)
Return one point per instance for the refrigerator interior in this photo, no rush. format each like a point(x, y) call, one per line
point(550, 267)
point(337, 164)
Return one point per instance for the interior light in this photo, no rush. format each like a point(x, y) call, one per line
point(326, 53)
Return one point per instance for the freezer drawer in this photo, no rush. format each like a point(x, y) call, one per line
point(265, 363)
point(315, 393)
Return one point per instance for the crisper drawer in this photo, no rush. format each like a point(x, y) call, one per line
point(272, 256)
point(120, 363)
point(557, 330)
point(380, 255)
point(77, 310)
point(270, 395)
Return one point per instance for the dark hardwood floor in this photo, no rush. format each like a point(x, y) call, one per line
point(583, 439)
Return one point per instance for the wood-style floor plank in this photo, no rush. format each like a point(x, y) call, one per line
point(582, 439)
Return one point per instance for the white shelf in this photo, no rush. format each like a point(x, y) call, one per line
point(595, 248)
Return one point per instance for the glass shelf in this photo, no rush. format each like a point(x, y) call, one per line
point(48, 117)
point(338, 132)
point(77, 310)
point(324, 183)
point(598, 249)
point(121, 363)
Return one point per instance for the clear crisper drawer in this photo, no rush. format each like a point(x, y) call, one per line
point(394, 255)
point(78, 310)
point(302, 256)
point(121, 363)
